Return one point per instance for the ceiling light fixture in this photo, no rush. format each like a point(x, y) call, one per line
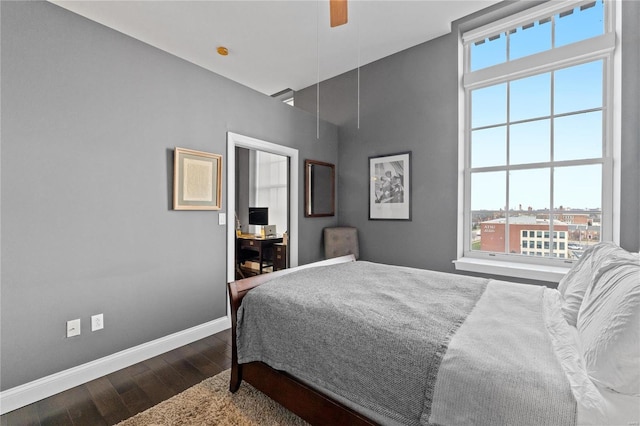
point(223, 51)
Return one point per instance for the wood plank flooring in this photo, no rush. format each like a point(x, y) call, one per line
point(124, 393)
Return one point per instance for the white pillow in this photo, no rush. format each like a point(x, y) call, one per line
point(609, 325)
point(575, 283)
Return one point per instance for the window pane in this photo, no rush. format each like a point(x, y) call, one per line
point(528, 190)
point(578, 188)
point(529, 39)
point(489, 106)
point(529, 142)
point(578, 88)
point(528, 198)
point(578, 136)
point(578, 197)
point(489, 147)
point(488, 191)
point(579, 24)
point(530, 97)
point(489, 52)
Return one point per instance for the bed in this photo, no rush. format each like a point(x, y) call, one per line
point(354, 342)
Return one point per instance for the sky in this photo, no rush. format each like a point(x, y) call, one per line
point(532, 102)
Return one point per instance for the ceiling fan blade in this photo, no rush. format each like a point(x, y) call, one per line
point(338, 10)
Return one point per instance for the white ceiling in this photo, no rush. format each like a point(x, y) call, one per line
point(275, 45)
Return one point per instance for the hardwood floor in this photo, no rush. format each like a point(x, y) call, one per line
point(124, 393)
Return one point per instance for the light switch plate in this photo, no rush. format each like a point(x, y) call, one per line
point(222, 219)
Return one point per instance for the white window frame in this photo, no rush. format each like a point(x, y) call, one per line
point(606, 47)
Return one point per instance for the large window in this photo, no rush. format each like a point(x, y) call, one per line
point(538, 134)
point(269, 177)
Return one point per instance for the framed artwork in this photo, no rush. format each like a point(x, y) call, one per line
point(390, 187)
point(197, 180)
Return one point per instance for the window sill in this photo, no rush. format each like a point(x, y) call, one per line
point(511, 269)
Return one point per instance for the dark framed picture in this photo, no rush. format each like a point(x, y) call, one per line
point(197, 180)
point(390, 187)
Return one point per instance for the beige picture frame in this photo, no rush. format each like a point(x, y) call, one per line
point(197, 180)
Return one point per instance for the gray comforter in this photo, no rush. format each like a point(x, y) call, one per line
point(372, 334)
point(410, 346)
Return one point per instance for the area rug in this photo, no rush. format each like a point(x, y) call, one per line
point(211, 403)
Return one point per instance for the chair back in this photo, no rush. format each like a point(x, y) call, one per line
point(340, 241)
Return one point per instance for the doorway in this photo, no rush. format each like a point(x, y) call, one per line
point(262, 211)
point(235, 141)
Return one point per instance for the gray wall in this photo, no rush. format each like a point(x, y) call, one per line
point(89, 121)
point(630, 235)
point(409, 103)
point(242, 187)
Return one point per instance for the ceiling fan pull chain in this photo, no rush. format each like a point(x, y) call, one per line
point(358, 20)
point(317, 69)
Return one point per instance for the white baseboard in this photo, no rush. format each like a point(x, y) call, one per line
point(26, 394)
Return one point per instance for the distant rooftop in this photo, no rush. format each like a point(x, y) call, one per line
point(525, 220)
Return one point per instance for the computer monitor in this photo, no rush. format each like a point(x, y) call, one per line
point(258, 215)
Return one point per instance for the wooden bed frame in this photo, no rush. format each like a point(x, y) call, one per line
point(308, 403)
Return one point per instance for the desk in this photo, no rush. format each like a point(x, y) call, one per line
point(279, 256)
point(258, 244)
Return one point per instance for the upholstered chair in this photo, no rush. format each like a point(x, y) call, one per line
point(340, 241)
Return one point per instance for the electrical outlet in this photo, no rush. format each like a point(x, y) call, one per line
point(97, 322)
point(73, 328)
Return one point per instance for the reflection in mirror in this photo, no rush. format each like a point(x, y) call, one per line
point(319, 188)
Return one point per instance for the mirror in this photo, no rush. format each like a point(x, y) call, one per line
point(319, 188)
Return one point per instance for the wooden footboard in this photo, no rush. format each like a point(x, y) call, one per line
point(308, 403)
